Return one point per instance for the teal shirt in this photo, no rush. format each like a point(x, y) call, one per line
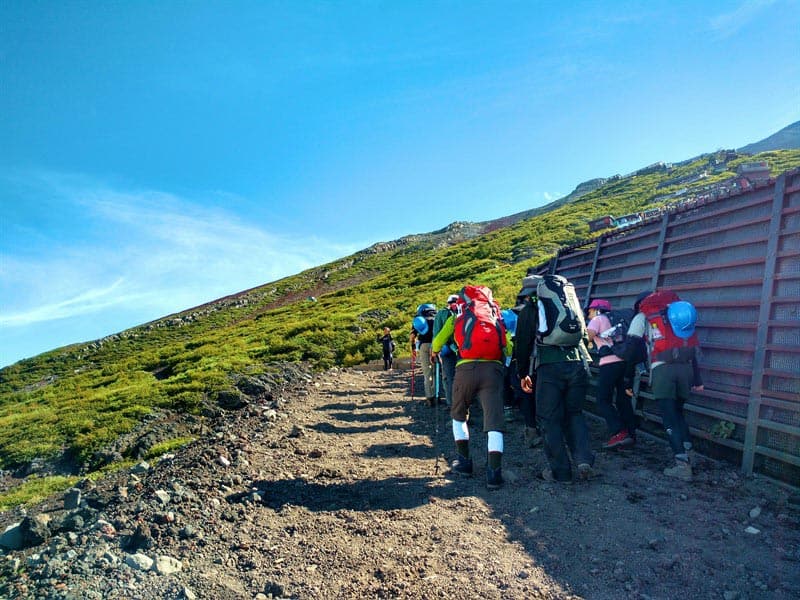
point(438, 323)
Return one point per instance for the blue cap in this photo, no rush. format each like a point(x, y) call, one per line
point(423, 308)
point(682, 318)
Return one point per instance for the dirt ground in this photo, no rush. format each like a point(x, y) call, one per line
point(341, 490)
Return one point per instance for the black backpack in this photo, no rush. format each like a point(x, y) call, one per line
point(618, 334)
point(632, 350)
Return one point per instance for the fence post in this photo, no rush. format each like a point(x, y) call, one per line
point(762, 332)
point(554, 263)
point(662, 237)
point(594, 270)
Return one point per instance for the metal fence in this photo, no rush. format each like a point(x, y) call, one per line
point(737, 260)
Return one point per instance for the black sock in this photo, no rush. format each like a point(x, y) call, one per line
point(462, 448)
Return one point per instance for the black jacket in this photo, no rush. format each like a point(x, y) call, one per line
point(525, 336)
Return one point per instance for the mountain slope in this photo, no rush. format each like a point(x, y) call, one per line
point(786, 139)
point(73, 403)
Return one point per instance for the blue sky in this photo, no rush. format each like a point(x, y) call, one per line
point(155, 156)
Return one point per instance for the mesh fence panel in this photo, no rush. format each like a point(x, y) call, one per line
point(715, 237)
point(785, 336)
point(780, 415)
point(789, 242)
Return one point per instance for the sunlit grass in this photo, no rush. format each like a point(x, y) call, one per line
point(35, 489)
point(167, 446)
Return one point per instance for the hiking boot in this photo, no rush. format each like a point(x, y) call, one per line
point(462, 466)
point(494, 478)
point(532, 437)
point(585, 471)
point(547, 475)
point(682, 470)
point(690, 453)
point(623, 438)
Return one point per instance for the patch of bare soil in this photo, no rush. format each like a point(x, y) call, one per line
point(341, 490)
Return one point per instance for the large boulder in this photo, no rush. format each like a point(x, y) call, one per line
point(35, 530)
point(11, 538)
point(231, 399)
point(254, 387)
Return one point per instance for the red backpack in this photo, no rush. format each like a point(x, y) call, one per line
point(663, 344)
point(479, 329)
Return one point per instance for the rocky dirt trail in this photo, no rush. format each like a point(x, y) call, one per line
point(338, 488)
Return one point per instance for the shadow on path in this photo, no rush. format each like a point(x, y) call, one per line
point(333, 429)
point(386, 494)
point(395, 450)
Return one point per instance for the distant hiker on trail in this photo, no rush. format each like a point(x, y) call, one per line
point(526, 310)
point(617, 412)
point(388, 348)
point(448, 355)
point(667, 324)
point(421, 337)
point(480, 335)
point(560, 360)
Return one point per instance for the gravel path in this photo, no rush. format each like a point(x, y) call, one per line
point(338, 488)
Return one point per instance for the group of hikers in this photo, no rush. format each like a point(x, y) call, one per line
point(536, 356)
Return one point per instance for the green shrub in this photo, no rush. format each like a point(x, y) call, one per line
point(167, 446)
point(35, 489)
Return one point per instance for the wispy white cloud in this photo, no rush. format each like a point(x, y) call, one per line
point(147, 252)
point(89, 301)
point(730, 23)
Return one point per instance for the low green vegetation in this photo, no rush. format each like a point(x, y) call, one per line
point(35, 488)
point(75, 400)
point(167, 446)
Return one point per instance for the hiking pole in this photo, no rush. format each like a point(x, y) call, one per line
point(412, 375)
point(436, 392)
point(436, 420)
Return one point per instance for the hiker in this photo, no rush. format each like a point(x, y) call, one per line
point(635, 356)
point(478, 330)
point(448, 355)
point(559, 358)
point(388, 348)
point(619, 416)
point(526, 311)
point(421, 337)
point(667, 325)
